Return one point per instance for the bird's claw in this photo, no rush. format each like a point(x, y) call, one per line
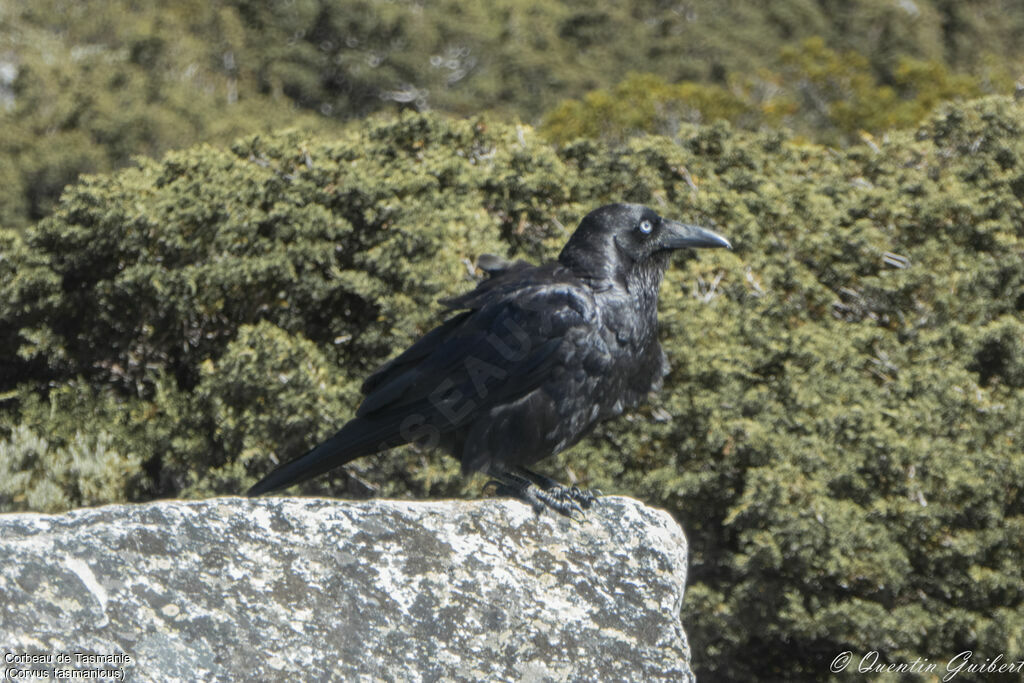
point(540, 492)
point(559, 502)
point(582, 498)
point(568, 501)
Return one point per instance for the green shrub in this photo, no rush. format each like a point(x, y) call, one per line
point(77, 463)
point(269, 391)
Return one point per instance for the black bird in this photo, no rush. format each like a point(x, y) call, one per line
point(537, 357)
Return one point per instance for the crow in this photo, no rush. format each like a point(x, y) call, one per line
point(531, 361)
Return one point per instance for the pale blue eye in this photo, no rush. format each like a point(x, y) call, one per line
point(646, 226)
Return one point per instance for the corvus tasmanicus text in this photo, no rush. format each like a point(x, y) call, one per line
point(536, 358)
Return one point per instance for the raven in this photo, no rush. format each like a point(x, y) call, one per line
point(533, 360)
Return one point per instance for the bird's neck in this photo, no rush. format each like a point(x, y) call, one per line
point(630, 307)
point(631, 283)
point(641, 286)
point(637, 281)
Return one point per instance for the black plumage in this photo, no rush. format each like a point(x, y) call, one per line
point(533, 360)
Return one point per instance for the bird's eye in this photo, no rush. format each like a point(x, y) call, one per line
point(645, 227)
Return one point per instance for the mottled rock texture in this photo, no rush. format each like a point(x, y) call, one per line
point(232, 589)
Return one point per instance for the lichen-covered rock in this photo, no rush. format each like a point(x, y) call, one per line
point(233, 589)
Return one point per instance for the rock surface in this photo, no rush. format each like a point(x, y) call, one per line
point(233, 589)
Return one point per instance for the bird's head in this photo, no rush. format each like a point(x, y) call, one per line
point(626, 241)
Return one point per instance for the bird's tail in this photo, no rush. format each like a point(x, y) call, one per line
point(357, 438)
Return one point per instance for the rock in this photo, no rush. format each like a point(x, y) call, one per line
point(233, 588)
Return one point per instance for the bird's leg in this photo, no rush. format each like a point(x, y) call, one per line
point(517, 483)
point(559, 491)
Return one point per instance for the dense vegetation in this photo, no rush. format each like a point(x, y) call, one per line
point(841, 435)
point(86, 85)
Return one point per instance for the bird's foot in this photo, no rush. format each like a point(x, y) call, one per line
point(584, 497)
point(538, 498)
point(558, 500)
point(540, 492)
point(561, 492)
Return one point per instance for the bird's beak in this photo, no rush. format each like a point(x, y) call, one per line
point(682, 236)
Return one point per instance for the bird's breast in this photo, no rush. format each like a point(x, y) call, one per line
point(624, 366)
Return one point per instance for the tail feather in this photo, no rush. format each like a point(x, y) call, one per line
point(357, 438)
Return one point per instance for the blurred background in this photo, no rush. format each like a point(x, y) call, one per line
point(84, 86)
point(217, 217)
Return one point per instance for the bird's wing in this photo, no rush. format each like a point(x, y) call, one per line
point(507, 279)
point(495, 353)
point(421, 349)
point(495, 265)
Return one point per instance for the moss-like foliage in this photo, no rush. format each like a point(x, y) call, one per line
point(842, 435)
